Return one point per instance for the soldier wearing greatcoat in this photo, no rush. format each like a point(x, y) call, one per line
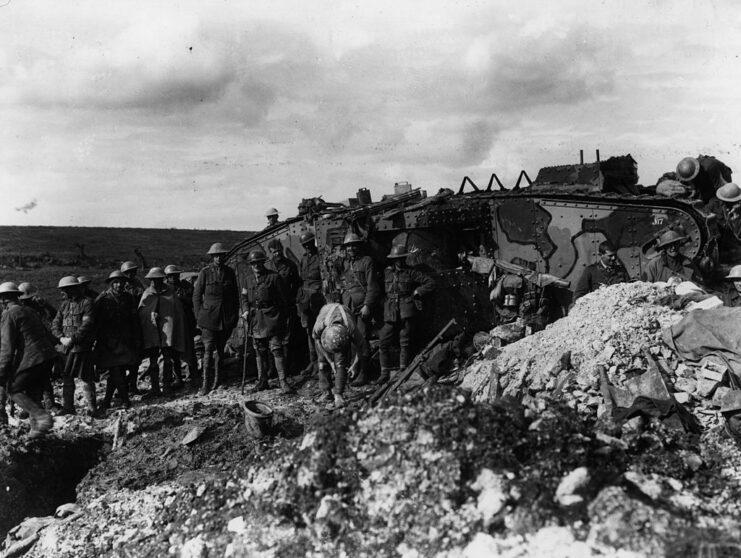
point(405, 288)
point(361, 293)
point(216, 306)
point(310, 298)
point(288, 272)
point(74, 326)
point(265, 305)
point(184, 292)
point(118, 336)
point(135, 288)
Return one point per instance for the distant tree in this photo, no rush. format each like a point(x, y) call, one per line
point(141, 257)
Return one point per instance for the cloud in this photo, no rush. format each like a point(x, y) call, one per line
point(27, 207)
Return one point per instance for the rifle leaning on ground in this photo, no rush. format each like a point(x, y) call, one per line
point(535, 277)
point(381, 393)
point(247, 335)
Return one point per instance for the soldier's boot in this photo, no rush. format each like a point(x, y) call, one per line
point(110, 388)
point(88, 391)
point(218, 379)
point(205, 374)
point(132, 377)
point(68, 397)
point(362, 378)
point(49, 403)
point(167, 374)
point(312, 367)
point(403, 358)
point(280, 366)
point(384, 377)
point(118, 378)
point(41, 421)
point(3, 402)
point(340, 379)
point(177, 372)
point(154, 378)
point(262, 372)
point(325, 384)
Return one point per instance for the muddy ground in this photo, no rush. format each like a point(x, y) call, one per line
point(438, 472)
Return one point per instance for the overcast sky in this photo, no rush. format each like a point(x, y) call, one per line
point(204, 114)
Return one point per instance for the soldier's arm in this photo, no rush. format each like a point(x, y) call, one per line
point(198, 289)
point(372, 286)
point(87, 328)
point(8, 335)
point(56, 324)
point(425, 283)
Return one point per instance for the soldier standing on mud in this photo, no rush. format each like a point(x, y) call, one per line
point(135, 288)
point(164, 330)
point(265, 304)
point(671, 262)
point(288, 272)
point(31, 299)
point(609, 270)
point(216, 306)
point(118, 336)
point(184, 292)
point(26, 359)
point(310, 299)
point(405, 288)
point(74, 326)
point(360, 292)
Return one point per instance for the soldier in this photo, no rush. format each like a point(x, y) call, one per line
point(360, 292)
point(727, 207)
point(216, 306)
point(164, 329)
point(89, 292)
point(184, 292)
point(26, 359)
point(31, 298)
point(265, 304)
point(288, 272)
point(74, 327)
point(732, 295)
point(607, 271)
point(705, 174)
point(272, 217)
point(118, 336)
point(135, 288)
point(670, 262)
point(310, 299)
point(528, 302)
point(730, 408)
point(405, 288)
point(336, 336)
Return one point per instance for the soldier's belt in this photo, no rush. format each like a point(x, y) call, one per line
point(262, 305)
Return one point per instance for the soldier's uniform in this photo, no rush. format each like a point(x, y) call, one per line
point(404, 289)
point(533, 303)
point(310, 298)
point(216, 307)
point(117, 339)
point(75, 320)
point(289, 274)
point(597, 274)
point(184, 293)
point(662, 268)
point(264, 299)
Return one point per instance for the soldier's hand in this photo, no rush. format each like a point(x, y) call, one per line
point(365, 311)
point(66, 341)
point(154, 318)
point(245, 315)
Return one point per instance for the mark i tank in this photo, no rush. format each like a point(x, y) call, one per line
point(552, 225)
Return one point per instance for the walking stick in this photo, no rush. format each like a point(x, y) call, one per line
point(244, 362)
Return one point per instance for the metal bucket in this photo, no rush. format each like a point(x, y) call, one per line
point(258, 418)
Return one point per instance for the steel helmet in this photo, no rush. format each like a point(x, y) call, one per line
point(731, 401)
point(510, 300)
point(128, 266)
point(27, 290)
point(217, 248)
point(116, 275)
point(172, 270)
point(270, 212)
point(84, 279)
point(335, 338)
point(669, 237)
point(306, 238)
point(729, 192)
point(397, 252)
point(155, 273)
point(688, 168)
point(256, 256)
point(9, 288)
point(735, 273)
point(352, 238)
point(68, 281)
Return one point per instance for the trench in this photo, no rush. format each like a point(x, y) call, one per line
point(39, 476)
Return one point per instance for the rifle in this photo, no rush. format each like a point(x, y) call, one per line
point(381, 393)
point(539, 279)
